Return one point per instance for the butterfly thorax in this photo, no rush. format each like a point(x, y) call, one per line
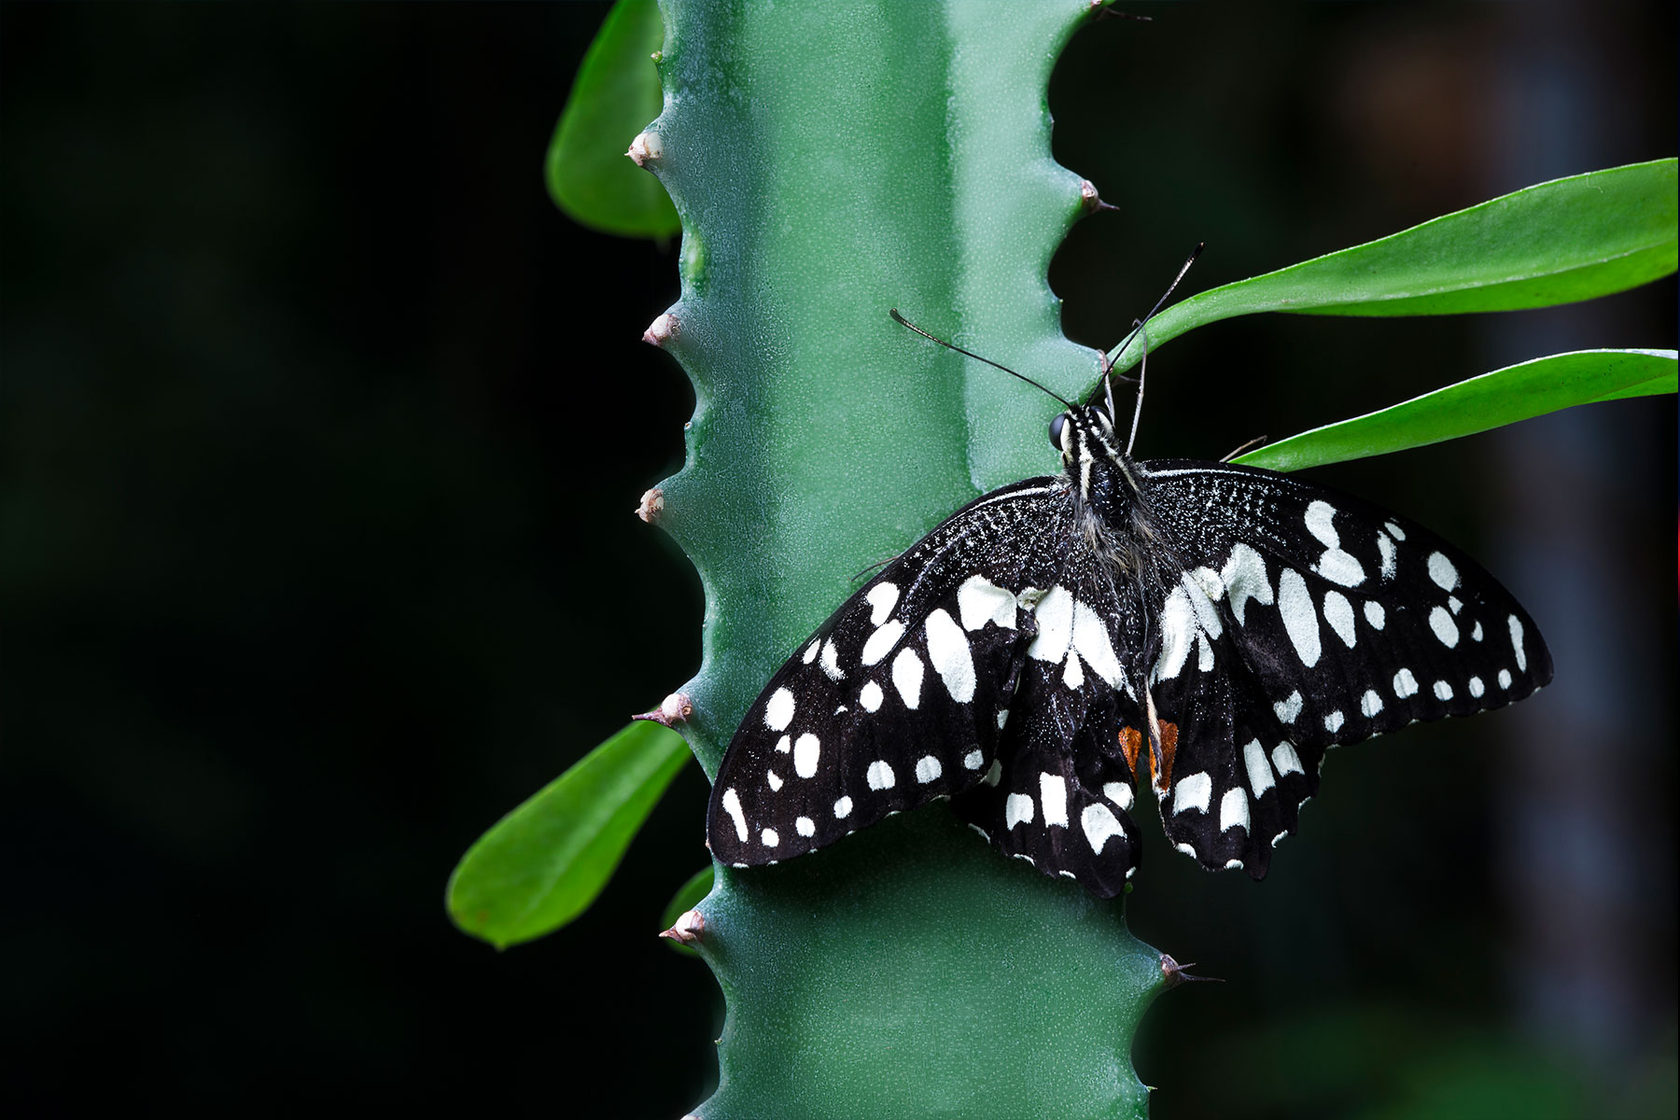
point(1103, 481)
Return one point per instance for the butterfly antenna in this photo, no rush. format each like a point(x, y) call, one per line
point(903, 322)
point(1143, 363)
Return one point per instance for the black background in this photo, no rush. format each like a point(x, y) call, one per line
point(323, 430)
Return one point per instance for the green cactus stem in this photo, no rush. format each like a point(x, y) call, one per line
point(830, 162)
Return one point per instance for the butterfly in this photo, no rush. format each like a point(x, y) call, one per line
point(1202, 630)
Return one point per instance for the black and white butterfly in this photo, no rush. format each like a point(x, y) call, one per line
point(1206, 628)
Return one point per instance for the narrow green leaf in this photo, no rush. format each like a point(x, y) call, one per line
point(543, 864)
point(1504, 396)
point(1567, 240)
point(614, 97)
point(688, 896)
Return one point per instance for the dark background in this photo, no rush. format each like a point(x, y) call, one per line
point(322, 433)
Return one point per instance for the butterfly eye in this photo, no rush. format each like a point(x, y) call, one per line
point(1056, 430)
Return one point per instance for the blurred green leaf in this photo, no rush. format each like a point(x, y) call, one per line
point(543, 864)
point(1492, 400)
point(614, 97)
point(1567, 240)
point(688, 896)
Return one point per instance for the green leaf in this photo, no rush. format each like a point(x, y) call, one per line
point(1504, 396)
point(688, 896)
point(1567, 240)
point(614, 97)
point(543, 864)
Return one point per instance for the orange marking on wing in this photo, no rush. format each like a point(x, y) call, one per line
point(1131, 739)
point(1169, 747)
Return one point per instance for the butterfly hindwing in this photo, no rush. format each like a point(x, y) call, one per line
point(1062, 793)
point(894, 701)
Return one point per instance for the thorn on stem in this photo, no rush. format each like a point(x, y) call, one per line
point(645, 148)
point(1089, 200)
point(651, 505)
point(672, 710)
point(1175, 974)
point(688, 928)
point(661, 330)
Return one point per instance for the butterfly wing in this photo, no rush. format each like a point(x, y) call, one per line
point(1304, 619)
point(1062, 793)
point(895, 700)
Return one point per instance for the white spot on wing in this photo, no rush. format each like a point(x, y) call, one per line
point(1375, 615)
point(1300, 620)
point(1405, 685)
point(1233, 810)
point(1394, 530)
point(842, 808)
point(907, 677)
point(1339, 614)
point(1321, 523)
point(1098, 824)
point(1333, 721)
point(1477, 687)
point(805, 826)
point(881, 642)
point(778, 713)
point(1504, 678)
point(1054, 615)
point(1517, 643)
point(980, 601)
point(870, 697)
point(810, 653)
point(1017, 807)
point(1441, 570)
point(1476, 631)
point(805, 752)
point(880, 775)
point(1286, 760)
point(1446, 630)
point(1245, 578)
point(1074, 674)
point(769, 838)
point(732, 805)
point(1259, 770)
point(948, 650)
point(1193, 792)
point(928, 769)
point(784, 744)
point(1052, 790)
point(773, 780)
point(1204, 654)
point(831, 661)
point(1090, 639)
point(1385, 550)
point(972, 760)
point(1207, 615)
point(1443, 691)
point(1178, 623)
point(882, 598)
point(1370, 704)
point(1288, 708)
point(1120, 793)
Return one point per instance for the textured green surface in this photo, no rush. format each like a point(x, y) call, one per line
point(1505, 396)
point(543, 864)
point(830, 162)
point(615, 94)
point(1570, 239)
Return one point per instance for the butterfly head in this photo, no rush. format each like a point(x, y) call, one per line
point(1091, 453)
